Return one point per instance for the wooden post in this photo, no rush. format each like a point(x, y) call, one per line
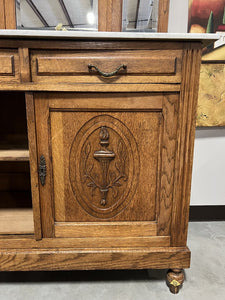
point(163, 15)
point(110, 15)
point(2, 14)
point(7, 14)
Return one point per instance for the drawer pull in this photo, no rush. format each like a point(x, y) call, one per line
point(105, 74)
point(42, 170)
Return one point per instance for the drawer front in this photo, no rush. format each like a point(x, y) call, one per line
point(148, 66)
point(9, 65)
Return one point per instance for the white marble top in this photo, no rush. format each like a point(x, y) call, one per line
point(51, 34)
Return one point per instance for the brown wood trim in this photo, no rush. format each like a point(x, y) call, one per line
point(112, 101)
point(28, 241)
point(185, 140)
point(87, 45)
point(168, 150)
point(94, 259)
point(16, 221)
point(207, 213)
point(7, 64)
point(10, 14)
point(2, 14)
point(110, 15)
point(85, 87)
point(44, 149)
point(24, 64)
point(163, 15)
point(14, 155)
point(33, 164)
point(106, 229)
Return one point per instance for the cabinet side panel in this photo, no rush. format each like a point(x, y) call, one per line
point(168, 149)
point(185, 144)
point(33, 164)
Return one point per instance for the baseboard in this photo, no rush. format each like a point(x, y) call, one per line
point(207, 213)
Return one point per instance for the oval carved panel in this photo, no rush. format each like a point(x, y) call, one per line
point(104, 166)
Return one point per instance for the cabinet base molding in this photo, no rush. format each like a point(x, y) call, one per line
point(94, 259)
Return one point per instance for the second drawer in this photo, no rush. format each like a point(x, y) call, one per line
point(148, 66)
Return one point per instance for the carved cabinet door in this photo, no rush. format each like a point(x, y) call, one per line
point(106, 164)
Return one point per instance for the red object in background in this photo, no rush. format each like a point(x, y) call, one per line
point(221, 28)
point(199, 11)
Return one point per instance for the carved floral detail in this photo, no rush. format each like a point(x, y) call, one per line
point(110, 179)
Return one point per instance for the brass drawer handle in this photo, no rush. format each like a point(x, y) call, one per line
point(105, 74)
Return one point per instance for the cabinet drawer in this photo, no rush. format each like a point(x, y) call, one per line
point(148, 66)
point(9, 65)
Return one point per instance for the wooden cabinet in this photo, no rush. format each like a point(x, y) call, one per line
point(111, 126)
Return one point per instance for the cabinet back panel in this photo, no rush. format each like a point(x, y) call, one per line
point(13, 128)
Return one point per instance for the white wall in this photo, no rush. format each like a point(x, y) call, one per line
point(208, 180)
point(178, 16)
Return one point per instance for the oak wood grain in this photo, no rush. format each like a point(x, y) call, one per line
point(32, 136)
point(14, 155)
point(73, 67)
point(87, 87)
point(110, 15)
point(163, 15)
point(10, 14)
point(2, 14)
point(24, 64)
point(70, 116)
point(185, 143)
point(106, 101)
point(105, 229)
point(168, 152)
point(45, 192)
point(92, 259)
point(9, 66)
point(56, 44)
point(150, 62)
point(28, 241)
point(16, 221)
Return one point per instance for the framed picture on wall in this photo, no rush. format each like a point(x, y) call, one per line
point(208, 16)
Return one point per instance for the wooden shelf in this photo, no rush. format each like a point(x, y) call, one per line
point(14, 155)
point(16, 221)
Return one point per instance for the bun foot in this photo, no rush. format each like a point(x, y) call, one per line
point(175, 279)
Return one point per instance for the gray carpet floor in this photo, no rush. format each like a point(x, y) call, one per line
point(204, 280)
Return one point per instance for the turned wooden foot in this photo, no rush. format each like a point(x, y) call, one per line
point(175, 279)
